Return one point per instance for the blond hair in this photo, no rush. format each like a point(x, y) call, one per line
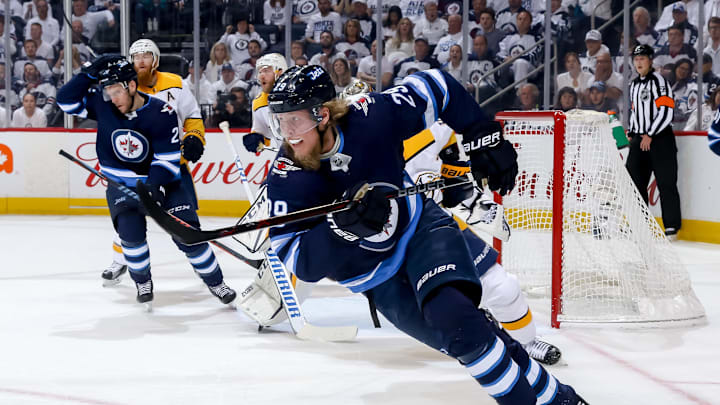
point(338, 110)
point(396, 41)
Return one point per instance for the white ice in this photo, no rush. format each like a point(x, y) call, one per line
point(64, 339)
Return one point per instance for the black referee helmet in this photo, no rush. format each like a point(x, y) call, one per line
point(643, 49)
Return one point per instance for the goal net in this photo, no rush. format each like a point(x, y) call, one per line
point(589, 241)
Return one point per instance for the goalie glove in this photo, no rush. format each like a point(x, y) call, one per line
point(491, 156)
point(488, 217)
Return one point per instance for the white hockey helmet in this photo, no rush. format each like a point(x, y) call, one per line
point(142, 46)
point(275, 61)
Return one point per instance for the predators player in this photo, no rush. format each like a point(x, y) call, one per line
point(145, 56)
point(269, 67)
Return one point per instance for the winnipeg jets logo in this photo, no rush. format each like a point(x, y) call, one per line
point(167, 108)
point(390, 226)
point(283, 165)
point(129, 146)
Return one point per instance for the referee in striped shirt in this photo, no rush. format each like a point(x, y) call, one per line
point(652, 141)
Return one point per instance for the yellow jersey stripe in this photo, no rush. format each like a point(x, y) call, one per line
point(417, 144)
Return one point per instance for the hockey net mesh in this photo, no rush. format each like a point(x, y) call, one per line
point(617, 265)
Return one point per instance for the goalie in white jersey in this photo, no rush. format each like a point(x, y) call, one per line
point(145, 56)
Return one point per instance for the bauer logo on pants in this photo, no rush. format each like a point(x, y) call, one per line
point(432, 273)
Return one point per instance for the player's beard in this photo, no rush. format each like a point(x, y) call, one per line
point(310, 161)
point(144, 76)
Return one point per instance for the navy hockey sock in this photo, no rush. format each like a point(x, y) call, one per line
point(203, 260)
point(469, 336)
point(137, 256)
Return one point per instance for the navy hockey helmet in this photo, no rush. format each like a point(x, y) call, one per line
point(116, 70)
point(643, 50)
point(301, 87)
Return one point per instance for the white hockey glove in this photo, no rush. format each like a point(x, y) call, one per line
point(261, 299)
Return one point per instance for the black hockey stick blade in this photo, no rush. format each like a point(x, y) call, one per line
point(191, 236)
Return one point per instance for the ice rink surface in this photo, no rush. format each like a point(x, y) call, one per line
point(64, 339)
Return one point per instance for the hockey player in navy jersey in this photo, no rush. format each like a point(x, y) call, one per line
point(138, 139)
point(407, 252)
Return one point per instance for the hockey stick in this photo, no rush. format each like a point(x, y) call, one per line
point(191, 236)
point(252, 262)
point(281, 278)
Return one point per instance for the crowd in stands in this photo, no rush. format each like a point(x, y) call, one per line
point(341, 36)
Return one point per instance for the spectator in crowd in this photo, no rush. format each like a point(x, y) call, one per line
point(359, 12)
point(430, 25)
point(233, 108)
point(325, 20)
point(44, 49)
point(92, 21)
point(594, 45)
point(352, 45)
point(228, 80)
point(527, 97)
point(713, 45)
point(246, 70)
point(303, 10)
point(151, 15)
point(274, 12)
point(412, 9)
point(567, 99)
point(404, 40)
point(710, 80)
point(476, 7)
point(641, 29)
point(29, 116)
point(219, 56)
point(390, 24)
point(491, 33)
point(560, 24)
point(297, 50)
point(16, 9)
point(301, 61)
point(684, 92)
point(13, 48)
point(453, 37)
point(58, 69)
point(481, 61)
point(506, 18)
point(14, 100)
point(575, 77)
point(237, 43)
point(600, 9)
point(43, 90)
point(328, 53)
point(50, 26)
point(367, 68)
point(30, 10)
point(454, 63)
point(709, 108)
point(598, 100)
point(421, 61)
point(205, 97)
point(666, 18)
point(340, 74)
point(689, 31)
point(604, 73)
point(31, 57)
point(516, 43)
point(675, 49)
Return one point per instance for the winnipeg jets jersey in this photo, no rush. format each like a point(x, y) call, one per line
point(368, 148)
point(142, 145)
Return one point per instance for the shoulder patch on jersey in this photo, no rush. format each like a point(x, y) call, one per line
point(130, 146)
point(260, 101)
point(283, 166)
point(362, 104)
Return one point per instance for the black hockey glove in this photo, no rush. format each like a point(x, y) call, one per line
point(156, 192)
point(453, 196)
point(92, 70)
point(252, 141)
point(365, 217)
point(491, 156)
point(192, 148)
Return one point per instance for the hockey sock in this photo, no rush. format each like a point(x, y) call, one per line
point(118, 256)
point(137, 256)
point(203, 260)
point(469, 336)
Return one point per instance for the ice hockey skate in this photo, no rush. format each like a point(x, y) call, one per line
point(225, 294)
point(145, 294)
point(543, 352)
point(111, 276)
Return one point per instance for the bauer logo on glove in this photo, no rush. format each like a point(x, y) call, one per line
point(487, 141)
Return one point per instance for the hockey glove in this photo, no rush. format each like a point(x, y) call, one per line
point(453, 196)
point(156, 192)
point(252, 141)
point(491, 156)
point(365, 217)
point(192, 148)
